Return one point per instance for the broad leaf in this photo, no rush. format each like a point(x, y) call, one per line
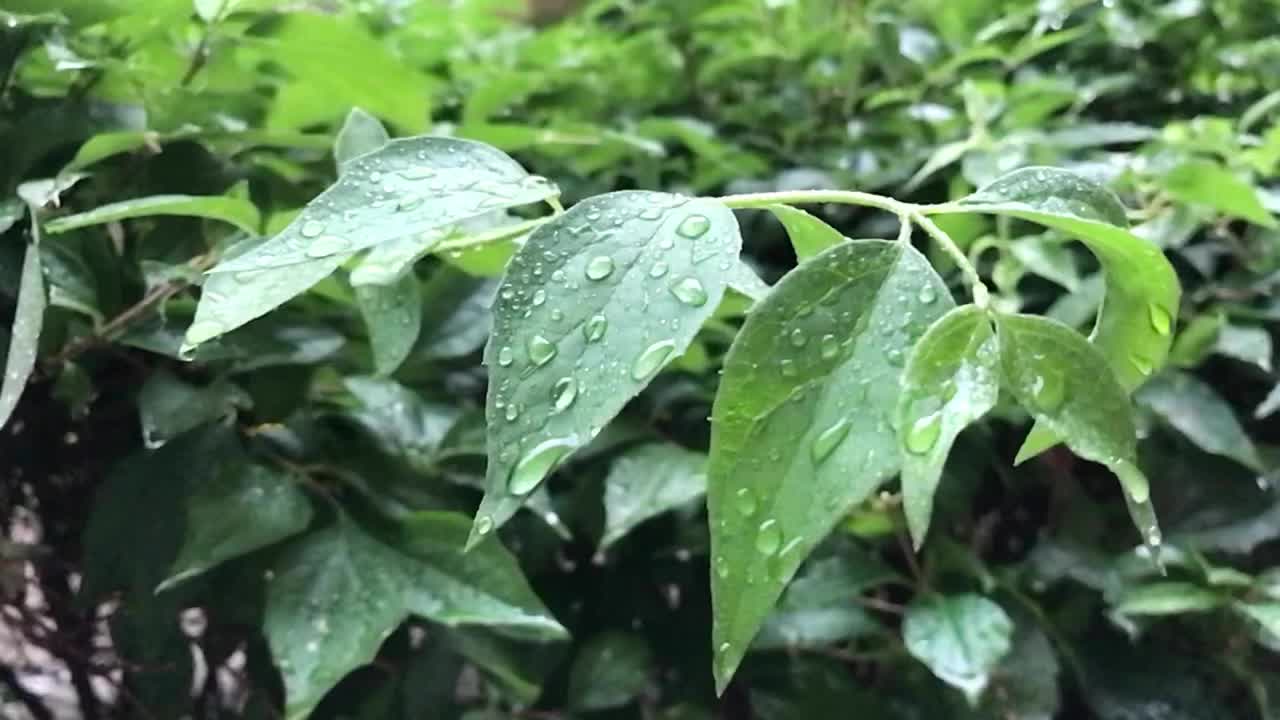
point(391, 261)
point(236, 211)
point(168, 407)
point(1134, 328)
point(335, 594)
point(1066, 384)
point(393, 316)
point(25, 334)
point(960, 637)
point(591, 308)
point(1024, 686)
point(1166, 598)
point(1198, 412)
point(403, 189)
point(747, 283)
point(610, 670)
point(951, 380)
point(399, 420)
point(809, 235)
point(1266, 618)
point(361, 133)
point(817, 608)
point(1205, 182)
point(801, 424)
point(647, 481)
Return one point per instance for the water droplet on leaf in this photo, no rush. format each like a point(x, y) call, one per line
point(659, 269)
point(652, 359)
point(923, 433)
point(563, 393)
point(828, 440)
point(541, 350)
point(311, 228)
point(768, 537)
point(536, 463)
point(599, 268)
point(595, 328)
point(1161, 321)
point(745, 501)
point(326, 245)
point(506, 356)
point(1048, 391)
point(798, 338)
point(829, 347)
point(690, 292)
point(694, 226)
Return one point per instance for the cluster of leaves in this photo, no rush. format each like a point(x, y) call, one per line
point(265, 360)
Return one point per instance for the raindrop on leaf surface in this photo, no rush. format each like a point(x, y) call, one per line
point(1048, 391)
point(923, 433)
point(1161, 321)
point(599, 268)
point(563, 393)
point(536, 463)
point(769, 537)
point(595, 328)
point(694, 226)
point(541, 350)
point(652, 359)
point(690, 292)
point(326, 245)
point(828, 440)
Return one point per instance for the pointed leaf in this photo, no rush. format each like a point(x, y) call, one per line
point(389, 262)
point(168, 407)
point(1194, 409)
point(393, 316)
point(816, 610)
point(1266, 618)
point(337, 593)
point(25, 335)
point(1067, 385)
point(801, 424)
point(610, 670)
point(1166, 598)
point(809, 235)
point(1204, 182)
point(647, 481)
point(361, 133)
point(952, 379)
point(960, 637)
point(236, 211)
point(591, 308)
point(747, 283)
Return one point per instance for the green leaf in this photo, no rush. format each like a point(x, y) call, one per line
point(168, 407)
point(1166, 598)
point(1194, 409)
point(238, 509)
point(1049, 258)
point(336, 593)
point(951, 380)
point(401, 421)
point(1134, 328)
point(747, 283)
point(1025, 683)
point(1204, 182)
point(1065, 383)
point(236, 211)
point(609, 670)
point(1265, 616)
point(647, 481)
point(816, 610)
point(25, 334)
point(393, 316)
point(592, 307)
point(391, 261)
point(801, 424)
point(1246, 344)
point(403, 189)
point(809, 235)
point(961, 638)
point(361, 133)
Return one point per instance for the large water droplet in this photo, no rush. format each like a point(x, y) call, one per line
point(541, 350)
point(563, 393)
point(311, 228)
point(1161, 321)
point(513, 412)
point(539, 297)
point(537, 463)
point(506, 356)
point(745, 501)
point(798, 338)
point(768, 537)
point(595, 328)
point(326, 245)
point(923, 433)
point(659, 269)
point(694, 226)
point(829, 346)
point(828, 440)
point(1048, 391)
point(417, 173)
point(690, 292)
point(484, 525)
point(652, 359)
point(788, 368)
point(599, 267)
point(1141, 363)
point(722, 567)
point(203, 331)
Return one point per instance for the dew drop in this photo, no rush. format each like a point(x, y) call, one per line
point(722, 567)
point(539, 297)
point(768, 537)
point(923, 433)
point(798, 338)
point(412, 202)
point(311, 228)
point(829, 347)
point(652, 359)
point(828, 440)
point(927, 295)
point(513, 412)
point(595, 328)
point(541, 350)
point(690, 292)
point(417, 173)
point(563, 393)
point(694, 226)
point(506, 356)
point(745, 501)
point(788, 368)
point(1161, 321)
point(659, 269)
point(1048, 391)
point(537, 463)
point(484, 525)
point(599, 267)
point(326, 245)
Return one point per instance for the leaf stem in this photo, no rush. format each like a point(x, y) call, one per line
point(502, 233)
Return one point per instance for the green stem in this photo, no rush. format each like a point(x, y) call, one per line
point(502, 233)
point(981, 296)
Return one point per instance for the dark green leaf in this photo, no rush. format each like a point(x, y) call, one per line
point(817, 609)
point(610, 670)
point(1166, 598)
point(25, 334)
point(592, 307)
point(647, 481)
point(801, 424)
point(401, 421)
point(1265, 617)
point(1246, 344)
point(961, 638)
point(1194, 409)
point(169, 407)
point(1024, 686)
point(393, 316)
point(361, 133)
point(240, 213)
point(809, 235)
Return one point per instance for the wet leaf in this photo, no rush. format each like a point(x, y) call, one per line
point(361, 133)
point(1204, 182)
point(610, 670)
point(1166, 598)
point(24, 335)
point(168, 407)
point(1194, 409)
point(961, 638)
point(809, 235)
point(236, 211)
point(647, 481)
point(393, 316)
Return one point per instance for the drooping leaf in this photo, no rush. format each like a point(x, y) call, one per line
point(25, 333)
point(610, 670)
point(1048, 258)
point(405, 188)
point(647, 481)
point(1134, 328)
point(360, 133)
point(169, 407)
point(1265, 616)
point(961, 638)
point(809, 235)
point(1246, 344)
point(747, 283)
point(801, 424)
point(391, 261)
point(1065, 383)
point(393, 316)
point(1194, 409)
point(236, 211)
point(1166, 598)
point(1204, 182)
point(592, 307)
point(336, 593)
point(951, 380)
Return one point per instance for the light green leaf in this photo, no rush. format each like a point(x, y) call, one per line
point(211, 11)
point(403, 189)
point(747, 283)
point(801, 424)
point(817, 608)
point(1266, 617)
point(25, 334)
point(647, 481)
point(591, 308)
point(1166, 598)
point(236, 211)
point(1047, 257)
point(610, 670)
point(1065, 383)
point(335, 594)
point(1204, 182)
point(1134, 328)
point(961, 638)
point(951, 380)
point(238, 509)
point(809, 235)
point(361, 133)
point(169, 407)
point(393, 316)
point(389, 262)
point(1194, 409)
point(1269, 405)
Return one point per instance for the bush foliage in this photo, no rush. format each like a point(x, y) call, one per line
point(677, 359)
